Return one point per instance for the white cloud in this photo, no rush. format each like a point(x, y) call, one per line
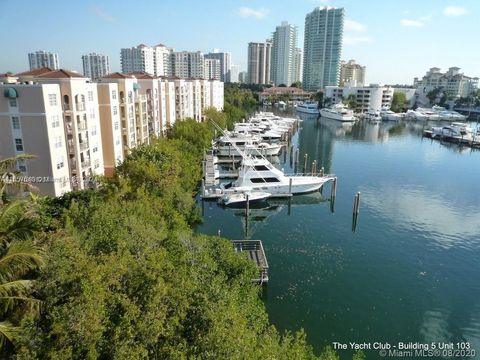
point(454, 11)
point(246, 12)
point(354, 40)
point(412, 23)
point(351, 25)
point(99, 12)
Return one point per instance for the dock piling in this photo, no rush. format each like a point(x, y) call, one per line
point(334, 188)
point(355, 211)
point(290, 186)
point(305, 158)
point(322, 171)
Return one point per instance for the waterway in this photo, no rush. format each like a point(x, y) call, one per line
point(411, 270)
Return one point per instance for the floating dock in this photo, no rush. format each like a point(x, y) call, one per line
point(460, 141)
point(256, 253)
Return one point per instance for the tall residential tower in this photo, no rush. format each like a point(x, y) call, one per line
point(95, 65)
point(259, 55)
point(322, 47)
point(40, 59)
point(284, 44)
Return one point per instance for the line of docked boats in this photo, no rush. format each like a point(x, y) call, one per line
point(458, 132)
point(257, 179)
point(340, 112)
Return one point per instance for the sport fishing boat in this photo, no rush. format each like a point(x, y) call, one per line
point(455, 131)
point(260, 175)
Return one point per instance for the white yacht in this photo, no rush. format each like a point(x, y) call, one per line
point(244, 144)
point(260, 175)
point(389, 115)
point(338, 112)
point(456, 131)
point(309, 107)
point(373, 116)
point(415, 115)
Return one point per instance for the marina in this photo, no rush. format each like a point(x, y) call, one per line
point(400, 261)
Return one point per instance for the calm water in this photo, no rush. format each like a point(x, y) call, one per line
point(410, 272)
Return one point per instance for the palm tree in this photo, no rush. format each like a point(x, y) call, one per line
point(17, 260)
point(7, 167)
point(18, 257)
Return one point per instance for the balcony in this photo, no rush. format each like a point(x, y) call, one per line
point(71, 147)
point(83, 145)
point(86, 163)
point(66, 107)
point(82, 126)
point(80, 106)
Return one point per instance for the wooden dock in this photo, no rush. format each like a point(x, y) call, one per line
point(254, 249)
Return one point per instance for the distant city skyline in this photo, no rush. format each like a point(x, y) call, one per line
point(395, 41)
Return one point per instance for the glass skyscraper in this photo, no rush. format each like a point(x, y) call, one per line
point(322, 47)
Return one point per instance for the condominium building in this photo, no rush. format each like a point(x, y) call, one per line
point(243, 77)
point(284, 45)
point(40, 59)
point(216, 94)
point(352, 74)
point(79, 121)
point(31, 122)
point(212, 69)
point(110, 124)
point(162, 60)
point(183, 98)
point(95, 66)
point(139, 58)
point(372, 97)
point(187, 64)
point(455, 83)
point(196, 99)
point(259, 60)
point(322, 48)
point(298, 65)
point(225, 64)
point(127, 96)
point(234, 72)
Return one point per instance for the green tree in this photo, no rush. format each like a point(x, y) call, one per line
point(8, 172)
point(351, 101)
point(297, 84)
point(399, 102)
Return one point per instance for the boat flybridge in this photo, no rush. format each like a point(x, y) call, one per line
point(308, 107)
point(260, 175)
point(338, 112)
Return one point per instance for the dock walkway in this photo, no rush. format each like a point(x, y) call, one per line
point(255, 251)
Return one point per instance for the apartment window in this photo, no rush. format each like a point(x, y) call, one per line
point(16, 122)
point(94, 130)
point(92, 113)
point(114, 94)
point(19, 144)
point(130, 97)
point(60, 162)
point(22, 165)
point(58, 142)
point(90, 96)
point(97, 164)
point(95, 149)
point(52, 99)
point(117, 142)
point(12, 102)
point(115, 110)
point(55, 121)
point(117, 125)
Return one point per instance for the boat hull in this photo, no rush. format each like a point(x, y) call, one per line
point(272, 150)
point(337, 117)
point(307, 111)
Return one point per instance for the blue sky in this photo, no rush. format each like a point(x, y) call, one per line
point(396, 40)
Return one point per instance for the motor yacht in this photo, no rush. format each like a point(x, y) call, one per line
point(309, 107)
point(338, 112)
point(456, 131)
point(236, 144)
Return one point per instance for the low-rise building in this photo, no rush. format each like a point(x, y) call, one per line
point(294, 94)
point(372, 97)
point(455, 83)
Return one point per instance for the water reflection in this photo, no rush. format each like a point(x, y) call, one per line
point(446, 222)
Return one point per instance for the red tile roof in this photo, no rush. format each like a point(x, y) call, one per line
point(142, 75)
point(55, 74)
point(35, 72)
point(118, 75)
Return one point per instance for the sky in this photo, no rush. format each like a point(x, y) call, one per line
point(395, 40)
